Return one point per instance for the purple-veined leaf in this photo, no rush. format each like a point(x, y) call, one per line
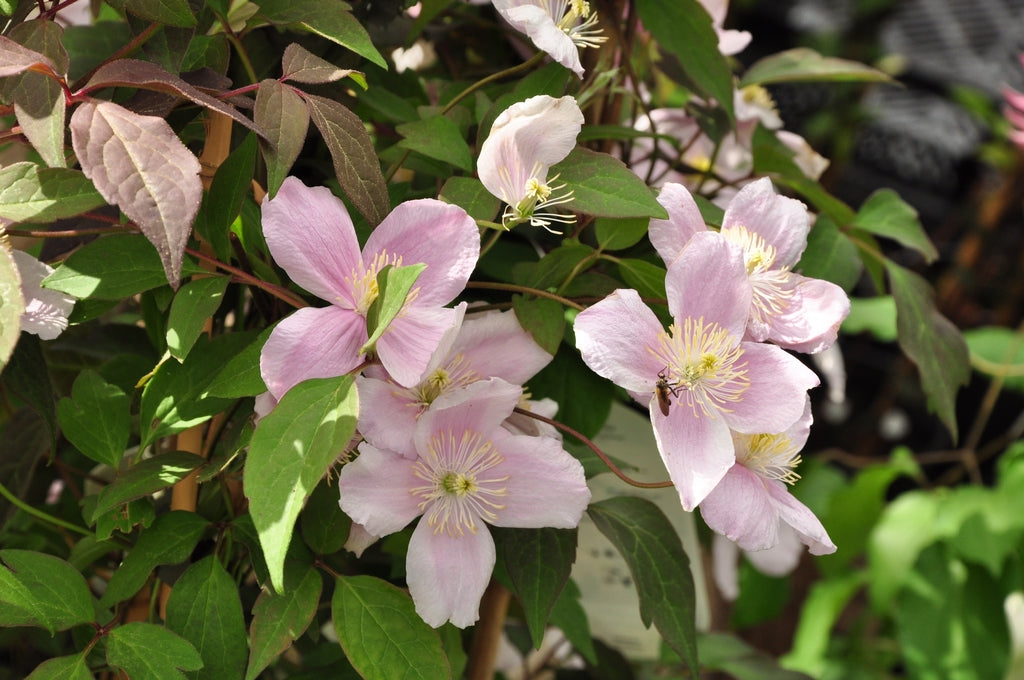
point(39, 102)
point(281, 113)
point(303, 66)
point(139, 164)
point(15, 59)
point(355, 161)
point(149, 76)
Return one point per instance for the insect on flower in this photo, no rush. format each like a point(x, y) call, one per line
point(664, 392)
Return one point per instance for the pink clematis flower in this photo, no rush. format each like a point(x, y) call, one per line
point(776, 561)
point(788, 309)
point(489, 345)
point(751, 504)
point(46, 311)
point(467, 471)
point(524, 142)
point(699, 378)
point(310, 235)
point(557, 27)
point(729, 41)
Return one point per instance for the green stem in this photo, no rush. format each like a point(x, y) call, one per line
point(39, 514)
point(492, 239)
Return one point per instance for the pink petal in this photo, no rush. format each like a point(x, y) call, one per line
point(438, 234)
point(782, 222)
point(375, 491)
point(740, 509)
point(709, 279)
point(810, 322)
point(670, 236)
point(46, 311)
point(447, 575)
point(725, 556)
point(409, 344)
point(614, 337)
point(314, 342)
point(497, 346)
point(538, 23)
point(782, 558)
point(799, 516)
point(733, 42)
point(310, 235)
point(525, 140)
point(697, 451)
point(387, 415)
point(359, 539)
point(777, 393)
point(546, 486)
point(478, 407)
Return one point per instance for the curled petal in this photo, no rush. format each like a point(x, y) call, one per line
point(310, 235)
point(447, 575)
point(335, 332)
point(741, 509)
point(810, 320)
point(537, 22)
point(799, 516)
point(781, 221)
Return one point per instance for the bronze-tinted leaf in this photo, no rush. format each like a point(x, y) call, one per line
point(139, 164)
point(281, 113)
point(15, 59)
point(355, 161)
point(149, 76)
point(301, 65)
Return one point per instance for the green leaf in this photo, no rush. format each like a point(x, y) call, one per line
point(241, 376)
point(12, 305)
point(470, 194)
point(170, 12)
point(112, 268)
point(176, 397)
point(802, 64)
point(355, 160)
point(830, 255)
point(328, 18)
point(96, 418)
point(584, 398)
point(193, 304)
point(170, 540)
point(29, 193)
point(382, 635)
point(998, 352)
point(659, 567)
point(884, 213)
point(323, 525)
point(439, 138)
point(619, 234)
point(543, 318)
point(74, 667)
point(281, 113)
point(647, 278)
point(231, 184)
point(813, 639)
point(279, 619)
point(149, 652)
point(290, 452)
point(931, 341)
point(875, 315)
point(683, 28)
point(144, 478)
point(42, 590)
point(204, 608)
point(393, 284)
point(736, 658)
point(906, 528)
point(604, 187)
point(539, 562)
point(556, 266)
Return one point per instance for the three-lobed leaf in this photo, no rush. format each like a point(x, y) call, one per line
point(289, 453)
point(382, 635)
point(96, 418)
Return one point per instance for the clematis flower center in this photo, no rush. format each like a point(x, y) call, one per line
point(577, 20)
point(704, 365)
point(460, 488)
point(363, 282)
point(458, 372)
point(770, 455)
point(758, 253)
point(771, 295)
